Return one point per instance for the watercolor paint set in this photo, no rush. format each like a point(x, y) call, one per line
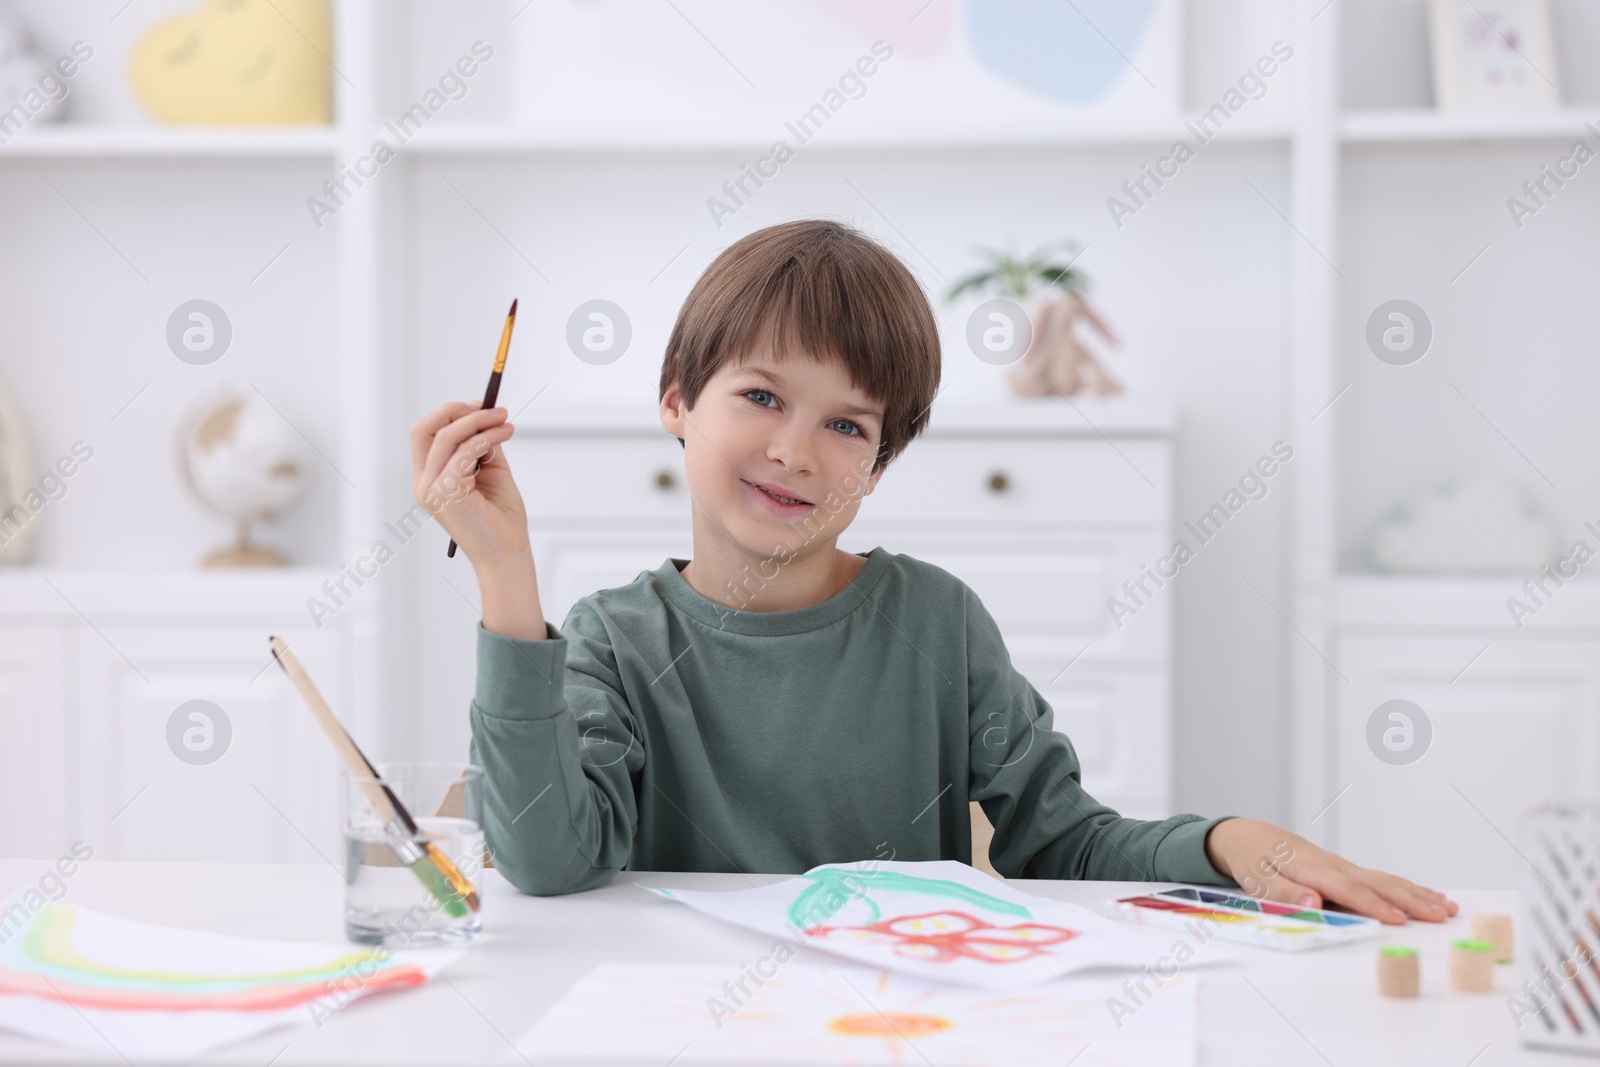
point(1235, 917)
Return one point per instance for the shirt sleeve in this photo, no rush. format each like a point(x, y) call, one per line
point(561, 755)
point(1027, 777)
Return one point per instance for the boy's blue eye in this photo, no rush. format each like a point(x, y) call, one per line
point(851, 429)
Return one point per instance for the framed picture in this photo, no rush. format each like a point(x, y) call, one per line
point(1493, 55)
point(948, 69)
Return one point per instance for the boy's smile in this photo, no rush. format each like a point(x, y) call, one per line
point(778, 454)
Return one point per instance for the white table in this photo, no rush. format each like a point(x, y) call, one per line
point(1318, 1008)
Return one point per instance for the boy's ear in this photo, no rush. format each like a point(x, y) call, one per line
point(672, 412)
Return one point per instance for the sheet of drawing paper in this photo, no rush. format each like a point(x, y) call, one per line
point(940, 920)
point(81, 978)
point(666, 1013)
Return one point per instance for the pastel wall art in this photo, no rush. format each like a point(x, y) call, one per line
point(809, 70)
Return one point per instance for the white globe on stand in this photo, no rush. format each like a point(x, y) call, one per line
point(240, 458)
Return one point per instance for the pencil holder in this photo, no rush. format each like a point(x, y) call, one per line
point(1557, 1000)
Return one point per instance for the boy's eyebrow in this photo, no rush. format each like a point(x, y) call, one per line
point(776, 379)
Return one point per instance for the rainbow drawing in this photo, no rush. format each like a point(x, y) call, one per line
point(79, 977)
point(43, 962)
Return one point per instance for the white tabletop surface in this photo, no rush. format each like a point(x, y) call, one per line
point(1319, 1008)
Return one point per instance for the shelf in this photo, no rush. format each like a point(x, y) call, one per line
point(29, 593)
point(129, 141)
point(1425, 124)
point(1381, 600)
point(757, 136)
point(741, 135)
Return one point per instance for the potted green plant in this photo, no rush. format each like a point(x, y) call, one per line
point(1056, 361)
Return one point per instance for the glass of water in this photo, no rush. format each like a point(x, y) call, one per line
point(385, 902)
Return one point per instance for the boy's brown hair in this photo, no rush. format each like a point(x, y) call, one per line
point(832, 291)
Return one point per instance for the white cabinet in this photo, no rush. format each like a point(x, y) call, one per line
point(1043, 516)
point(36, 780)
point(1513, 718)
point(272, 792)
point(94, 671)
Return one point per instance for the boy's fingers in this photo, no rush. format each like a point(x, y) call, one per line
point(1355, 894)
point(1285, 890)
point(1415, 900)
point(451, 437)
point(463, 464)
point(424, 429)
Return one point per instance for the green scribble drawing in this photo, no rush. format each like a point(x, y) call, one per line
point(833, 888)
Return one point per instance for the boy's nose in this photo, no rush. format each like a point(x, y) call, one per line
point(794, 449)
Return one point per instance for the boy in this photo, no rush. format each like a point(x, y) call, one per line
point(775, 702)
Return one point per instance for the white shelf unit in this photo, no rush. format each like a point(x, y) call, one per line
point(394, 303)
point(1399, 201)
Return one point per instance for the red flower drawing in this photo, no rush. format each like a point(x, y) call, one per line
point(943, 936)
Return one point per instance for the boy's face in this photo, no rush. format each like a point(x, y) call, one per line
point(796, 426)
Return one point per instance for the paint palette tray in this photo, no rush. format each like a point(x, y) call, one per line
point(1209, 913)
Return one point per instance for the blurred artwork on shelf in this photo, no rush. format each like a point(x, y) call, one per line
point(1055, 362)
point(18, 514)
point(241, 459)
point(1481, 525)
point(1493, 55)
point(950, 70)
point(27, 80)
point(238, 63)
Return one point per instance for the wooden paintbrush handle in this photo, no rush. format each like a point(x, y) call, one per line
point(354, 762)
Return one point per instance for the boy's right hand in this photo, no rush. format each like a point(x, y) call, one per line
point(480, 508)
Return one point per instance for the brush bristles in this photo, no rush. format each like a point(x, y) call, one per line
point(439, 885)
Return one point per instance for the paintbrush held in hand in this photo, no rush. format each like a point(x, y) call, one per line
point(451, 888)
point(491, 394)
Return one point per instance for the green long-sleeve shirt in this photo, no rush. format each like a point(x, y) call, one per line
point(658, 730)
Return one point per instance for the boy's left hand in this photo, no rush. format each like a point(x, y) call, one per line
point(1271, 863)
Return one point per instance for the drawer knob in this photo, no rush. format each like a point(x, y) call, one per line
point(998, 482)
point(665, 480)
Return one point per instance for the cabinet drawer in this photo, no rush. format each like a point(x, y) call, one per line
point(573, 564)
point(1048, 591)
point(600, 477)
point(1000, 479)
point(1029, 479)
